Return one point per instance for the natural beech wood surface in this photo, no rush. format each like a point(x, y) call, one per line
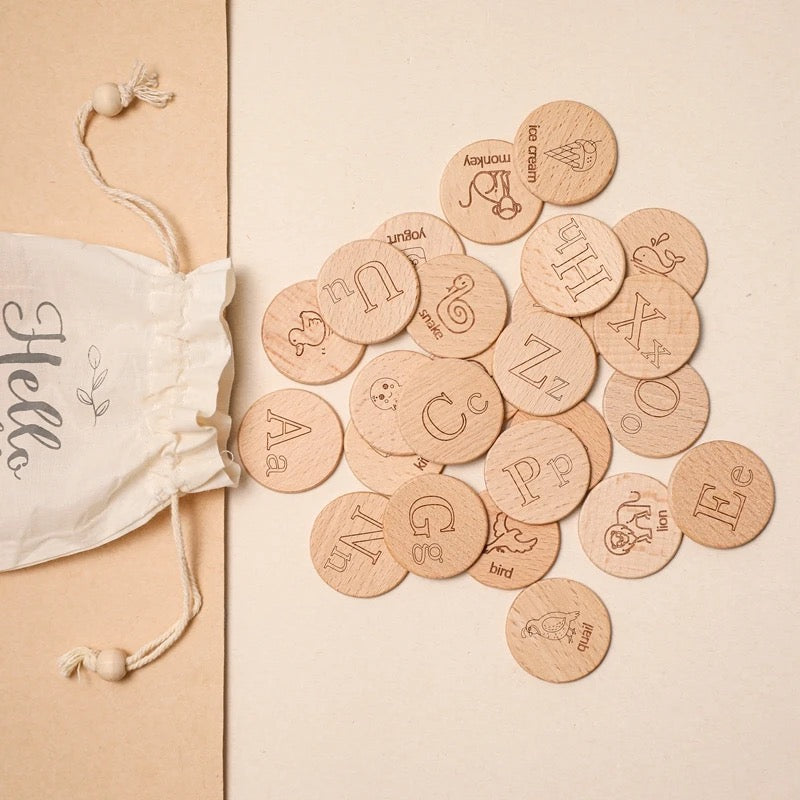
point(586, 422)
point(482, 197)
point(656, 417)
point(375, 394)
point(650, 329)
point(382, 472)
point(573, 264)
point(420, 237)
point(626, 528)
point(486, 360)
point(565, 152)
point(290, 440)
point(544, 363)
point(450, 411)
point(347, 546)
point(558, 630)
point(435, 526)
point(462, 307)
point(300, 344)
point(523, 304)
point(516, 553)
point(721, 494)
point(587, 323)
point(367, 291)
point(662, 242)
point(537, 471)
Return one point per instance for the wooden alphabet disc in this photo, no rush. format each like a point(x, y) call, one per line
point(656, 417)
point(573, 264)
point(626, 527)
point(516, 554)
point(367, 291)
point(558, 630)
point(374, 398)
point(290, 440)
point(565, 153)
point(299, 342)
point(382, 472)
point(450, 411)
point(482, 197)
point(462, 307)
point(347, 546)
point(537, 471)
point(650, 329)
point(420, 237)
point(589, 426)
point(662, 242)
point(435, 526)
point(721, 494)
point(486, 360)
point(544, 363)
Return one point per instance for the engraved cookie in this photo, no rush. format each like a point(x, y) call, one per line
point(347, 547)
point(462, 307)
point(626, 527)
point(435, 526)
point(420, 237)
point(300, 344)
point(382, 472)
point(573, 264)
point(721, 494)
point(482, 197)
point(450, 411)
point(662, 242)
point(367, 291)
point(565, 153)
point(656, 417)
point(537, 471)
point(558, 630)
point(650, 329)
point(544, 363)
point(290, 440)
point(516, 553)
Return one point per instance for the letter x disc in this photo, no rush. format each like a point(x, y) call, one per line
point(650, 329)
point(367, 291)
point(290, 440)
point(558, 630)
point(626, 527)
point(347, 546)
point(435, 526)
point(573, 264)
point(544, 363)
point(721, 494)
point(450, 411)
point(537, 471)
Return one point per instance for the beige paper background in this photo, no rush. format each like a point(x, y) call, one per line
point(346, 113)
point(159, 733)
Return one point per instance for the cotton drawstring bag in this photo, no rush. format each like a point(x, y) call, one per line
point(111, 365)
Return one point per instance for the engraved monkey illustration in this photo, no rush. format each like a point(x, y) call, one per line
point(456, 313)
point(312, 333)
point(627, 532)
point(493, 185)
point(554, 625)
point(648, 259)
point(508, 540)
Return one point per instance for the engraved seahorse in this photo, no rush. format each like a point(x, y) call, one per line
point(456, 313)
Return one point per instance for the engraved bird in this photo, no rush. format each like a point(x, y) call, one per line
point(508, 540)
point(554, 625)
point(313, 332)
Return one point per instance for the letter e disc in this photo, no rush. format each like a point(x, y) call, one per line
point(721, 494)
point(435, 526)
point(290, 440)
point(558, 630)
point(347, 546)
point(537, 471)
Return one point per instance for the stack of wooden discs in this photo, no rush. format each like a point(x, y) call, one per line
point(510, 390)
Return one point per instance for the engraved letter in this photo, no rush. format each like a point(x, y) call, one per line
point(337, 560)
point(289, 429)
point(712, 505)
point(330, 288)
point(421, 522)
point(635, 323)
point(432, 428)
point(522, 472)
point(561, 465)
point(386, 279)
